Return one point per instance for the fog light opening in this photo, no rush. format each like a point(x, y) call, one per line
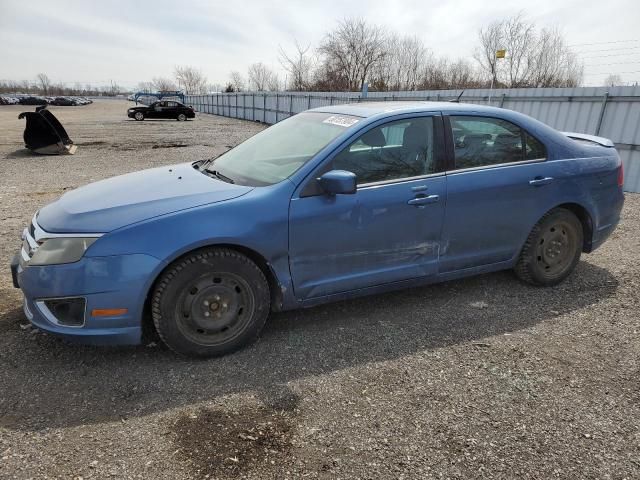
point(67, 312)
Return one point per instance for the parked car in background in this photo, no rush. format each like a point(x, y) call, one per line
point(8, 100)
point(63, 102)
point(32, 100)
point(162, 109)
point(332, 203)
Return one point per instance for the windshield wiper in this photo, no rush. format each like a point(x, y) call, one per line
point(205, 163)
point(220, 176)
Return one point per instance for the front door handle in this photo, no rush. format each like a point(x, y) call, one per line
point(418, 201)
point(539, 181)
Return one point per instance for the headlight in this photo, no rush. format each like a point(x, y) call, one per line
point(58, 250)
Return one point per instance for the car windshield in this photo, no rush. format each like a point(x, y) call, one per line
point(279, 151)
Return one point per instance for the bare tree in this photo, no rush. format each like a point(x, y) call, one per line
point(236, 81)
point(299, 65)
point(43, 83)
point(145, 87)
point(190, 79)
point(262, 78)
point(519, 39)
point(273, 83)
point(533, 58)
point(554, 64)
point(613, 80)
point(491, 40)
point(215, 88)
point(351, 51)
point(163, 84)
point(403, 66)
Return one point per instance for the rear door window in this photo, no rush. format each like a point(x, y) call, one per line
point(485, 141)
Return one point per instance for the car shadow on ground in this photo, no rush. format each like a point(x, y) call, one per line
point(49, 383)
point(22, 153)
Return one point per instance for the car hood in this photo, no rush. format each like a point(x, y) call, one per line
point(109, 204)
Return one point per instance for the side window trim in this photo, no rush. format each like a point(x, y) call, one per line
point(309, 185)
point(495, 165)
point(450, 160)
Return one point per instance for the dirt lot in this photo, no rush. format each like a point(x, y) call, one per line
point(480, 378)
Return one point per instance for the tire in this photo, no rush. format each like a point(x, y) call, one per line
point(552, 249)
point(182, 117)
point(139, 116)
point(210, 303)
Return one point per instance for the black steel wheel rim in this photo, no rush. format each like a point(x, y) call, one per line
point(215, 308)
point(556, 249)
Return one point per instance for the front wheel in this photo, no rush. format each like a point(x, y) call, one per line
point(210, 303)
point(139, 116)
point(182, 117)
point(552, 249)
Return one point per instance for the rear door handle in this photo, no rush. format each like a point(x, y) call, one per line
point(539, 181)
point(418, 201)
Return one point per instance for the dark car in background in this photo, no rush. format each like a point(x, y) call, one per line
point(162, 109)
point(63, 102)
point(33, 100)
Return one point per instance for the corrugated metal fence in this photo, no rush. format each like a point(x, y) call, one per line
point(612, 112)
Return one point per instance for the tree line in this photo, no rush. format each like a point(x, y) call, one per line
point(43, 85)
point(356, 52)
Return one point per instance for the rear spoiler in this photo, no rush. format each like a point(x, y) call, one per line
point(605, 142)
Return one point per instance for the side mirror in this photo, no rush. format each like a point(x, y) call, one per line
point(338, 182)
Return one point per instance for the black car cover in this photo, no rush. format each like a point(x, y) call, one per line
point(45, 134)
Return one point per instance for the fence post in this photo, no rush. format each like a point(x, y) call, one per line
point(291, 105)
point(502, 101)
point(309, 102)
point(277, 106)
point(605, 98)
point(264, 108)
point(253, 107)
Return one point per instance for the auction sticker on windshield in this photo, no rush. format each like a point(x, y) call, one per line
point(340, 120)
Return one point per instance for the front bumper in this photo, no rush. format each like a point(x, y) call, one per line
point(114, 282)
point(15, 265)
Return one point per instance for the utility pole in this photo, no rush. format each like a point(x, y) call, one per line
point(499, 54)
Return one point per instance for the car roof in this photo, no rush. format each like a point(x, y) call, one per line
point(371, 109)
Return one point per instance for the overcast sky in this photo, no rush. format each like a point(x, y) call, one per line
point(132, 41)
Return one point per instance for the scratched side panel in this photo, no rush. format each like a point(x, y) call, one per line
point(370, 238)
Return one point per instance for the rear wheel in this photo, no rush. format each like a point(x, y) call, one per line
point(139, 116)
point(210, 303)
point(182, 117)
point(552, 249)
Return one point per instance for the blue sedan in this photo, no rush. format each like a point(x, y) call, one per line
point(329, 204)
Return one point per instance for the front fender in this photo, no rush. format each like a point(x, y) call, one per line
point(257, 222)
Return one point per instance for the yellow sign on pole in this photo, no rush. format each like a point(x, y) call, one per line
point(500, 53)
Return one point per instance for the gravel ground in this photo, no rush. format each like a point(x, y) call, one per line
point(479, 378)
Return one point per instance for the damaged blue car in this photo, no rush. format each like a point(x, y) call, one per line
point(329, 204)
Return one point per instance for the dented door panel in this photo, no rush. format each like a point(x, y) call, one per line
point(378, 235)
